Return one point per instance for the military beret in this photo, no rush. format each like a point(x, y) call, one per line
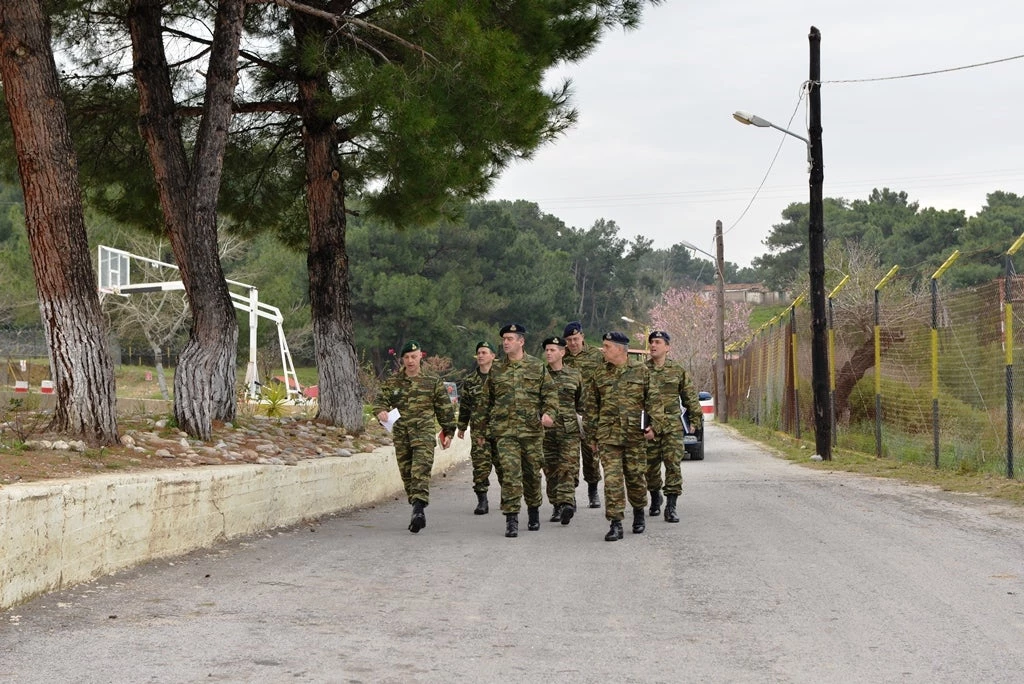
point(484, 344)
point(560, 341)
point(572, 328)
point(616, 337)
point(659, 335)
point(517, 328)
point(410, 346)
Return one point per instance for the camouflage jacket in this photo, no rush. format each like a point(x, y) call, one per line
point(515, 396)
point(621, 399)
point(587, 362)
point(671, 384)
point(572, 397)
point(420, 400)
point(471, 410)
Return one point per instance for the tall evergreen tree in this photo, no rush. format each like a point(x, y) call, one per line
point(188, 188)
point(69, 304)
point(401, 110)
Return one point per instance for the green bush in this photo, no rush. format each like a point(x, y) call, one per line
point(274, 398)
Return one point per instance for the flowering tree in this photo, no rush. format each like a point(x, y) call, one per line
point(689, 317)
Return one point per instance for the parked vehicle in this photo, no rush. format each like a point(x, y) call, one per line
point(707, 404)
point(693, 441)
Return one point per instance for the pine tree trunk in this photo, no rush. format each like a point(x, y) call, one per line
point(68, 301)
point(340, 398)
point(204, 382)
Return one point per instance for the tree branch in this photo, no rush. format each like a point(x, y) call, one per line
point(339, 21)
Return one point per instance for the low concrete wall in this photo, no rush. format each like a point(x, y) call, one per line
point(125, 405)
point(58, 533)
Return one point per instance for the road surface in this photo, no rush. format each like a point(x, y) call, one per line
point(777, 573)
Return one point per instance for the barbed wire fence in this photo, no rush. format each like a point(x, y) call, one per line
point(933, 383)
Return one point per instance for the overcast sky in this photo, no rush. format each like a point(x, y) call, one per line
point(657, 151)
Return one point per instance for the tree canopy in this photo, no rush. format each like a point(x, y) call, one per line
point(901, 233)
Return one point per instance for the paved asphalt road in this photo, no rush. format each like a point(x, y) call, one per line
point(777, 574)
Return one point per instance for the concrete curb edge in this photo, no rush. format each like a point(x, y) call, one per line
point(55, 534)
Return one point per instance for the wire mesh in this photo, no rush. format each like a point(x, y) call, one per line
point(968, 412)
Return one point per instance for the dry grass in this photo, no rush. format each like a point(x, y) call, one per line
point(799, 451)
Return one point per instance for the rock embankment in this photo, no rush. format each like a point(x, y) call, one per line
point(151, 443)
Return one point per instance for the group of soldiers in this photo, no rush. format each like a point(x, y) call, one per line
point(527, 418)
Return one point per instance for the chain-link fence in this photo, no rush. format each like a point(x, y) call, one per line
point(919, 378)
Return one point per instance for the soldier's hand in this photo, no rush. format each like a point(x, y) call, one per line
point(382, 417)
point(547, 421)
point(446, 441)
point(461, 434)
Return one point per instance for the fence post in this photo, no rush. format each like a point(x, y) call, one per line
point(832, 358)
point(878, 361)
point(935, 350)
point(796, 376)
point(1008, 344)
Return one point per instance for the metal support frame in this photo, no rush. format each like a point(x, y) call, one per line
point(114, 274)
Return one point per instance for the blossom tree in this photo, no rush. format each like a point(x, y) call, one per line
point(689, 317)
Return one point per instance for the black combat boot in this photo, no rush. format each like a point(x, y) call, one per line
point(481, 504)
point(511, 524)
point(670, 508)
point(533, 518)
point(419, 518)
point(656, 501)
point(556, 513)
point(595, 500)
point(614, 532)
point(568, 510)
point(638, 521)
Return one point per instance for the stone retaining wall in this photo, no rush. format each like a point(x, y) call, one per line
point(55, 534)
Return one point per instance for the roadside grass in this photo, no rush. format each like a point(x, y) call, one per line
point(953, 480)
point(140, 382)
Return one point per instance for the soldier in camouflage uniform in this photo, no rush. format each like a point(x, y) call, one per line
point(670, 390)
point(520, 399)
point(587, 360)
point(482, 452)
point(621, 406)
point(562, 441)
point(421, 399)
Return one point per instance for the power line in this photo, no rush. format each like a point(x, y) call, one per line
point(717, 195)
point(806, 84)
point(771, 165)
point(927, 73)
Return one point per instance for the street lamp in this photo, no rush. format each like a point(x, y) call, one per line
point(815, 245)
point(749, 119)
point(629, 320)
point(721, 402)
point(754, 120)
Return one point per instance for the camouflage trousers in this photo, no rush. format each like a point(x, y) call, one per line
point(521, 461)
point(561, 465)
point(624, 468)
point(591, 464)
point(415, 454)
point(667, 449)
point(484, 458)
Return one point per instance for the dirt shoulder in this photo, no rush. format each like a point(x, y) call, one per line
point(28, 452)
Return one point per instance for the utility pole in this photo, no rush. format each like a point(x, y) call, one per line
point(721, 404)
point(816, 256)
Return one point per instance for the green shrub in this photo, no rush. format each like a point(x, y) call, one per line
point(274, 398)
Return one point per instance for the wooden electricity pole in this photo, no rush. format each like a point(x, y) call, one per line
point(816, 255)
